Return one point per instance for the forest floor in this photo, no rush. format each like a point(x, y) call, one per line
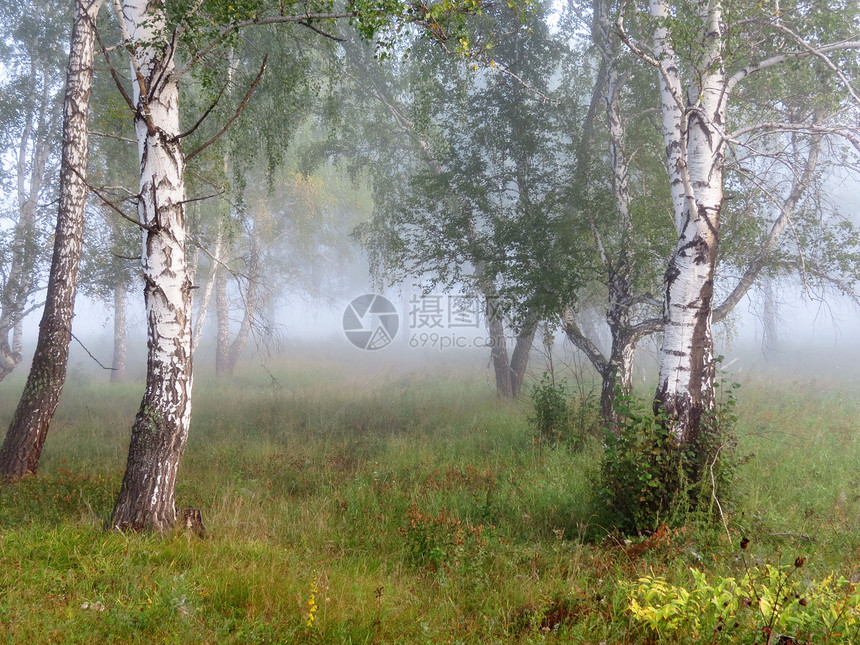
point(417, 508)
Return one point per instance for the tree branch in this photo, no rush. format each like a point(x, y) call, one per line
point(787, 207)
point(112, 136)
point(114, 74)
point(582, 342)
point(271, 20)
point(820, 55)
point(322, 33)
point(111, 205)
point(236, 115)
point(205, 114)
point(741, 74)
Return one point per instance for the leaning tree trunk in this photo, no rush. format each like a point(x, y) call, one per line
point(520, 355)
point(119, 331)
point(26, 435)
point(160, 430)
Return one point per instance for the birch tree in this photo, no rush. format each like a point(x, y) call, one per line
point(703, 54)
point(26, 435)
point(29, 118)
point(621, 210)
point(466, 200)
point(152, 38)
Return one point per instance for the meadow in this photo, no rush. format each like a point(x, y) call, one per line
point(410, 507)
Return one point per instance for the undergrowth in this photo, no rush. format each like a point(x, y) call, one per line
point(414, 509)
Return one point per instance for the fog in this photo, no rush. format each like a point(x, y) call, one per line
point(818, 341)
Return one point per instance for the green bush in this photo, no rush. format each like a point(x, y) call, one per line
point(551, 420)
point(647, 479)
point(768, 605)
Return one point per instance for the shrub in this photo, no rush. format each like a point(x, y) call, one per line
point(551, 420)
point(647, 479)
point(768, 605)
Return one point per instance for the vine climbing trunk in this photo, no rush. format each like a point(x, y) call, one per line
point(160, 429)
point(25, 438)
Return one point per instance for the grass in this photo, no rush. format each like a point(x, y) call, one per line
point(417, 506)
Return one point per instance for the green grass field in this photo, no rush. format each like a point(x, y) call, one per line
point(412, 509)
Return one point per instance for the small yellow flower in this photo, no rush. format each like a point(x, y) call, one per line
point(312, 604)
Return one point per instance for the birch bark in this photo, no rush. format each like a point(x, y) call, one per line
point(695, 152)
point(25, 438)
point(160, 431)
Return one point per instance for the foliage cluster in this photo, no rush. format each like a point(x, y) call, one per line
point(560, 416)
point(647, 479)
point(768, 605)
point(551, 418)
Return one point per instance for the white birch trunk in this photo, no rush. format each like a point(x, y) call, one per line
point(222, 316)
point(206, 295)
point(160, 431)
point(119, 332)
point(695, 150)
point(34, 149)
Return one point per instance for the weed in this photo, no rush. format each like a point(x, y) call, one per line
point(768, 605)
point(551, 420)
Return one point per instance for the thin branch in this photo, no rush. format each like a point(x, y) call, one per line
point(122, 189)
point(143, 92)
point(271, 20)
point(98, 362)
point(786, 207)
point(236, 115)
point(114, 74)
point(111, 205)
point(741, 74)
point(218, 260)
point(625, 38)
point(850, 132)
point(200, 199)
point(26, 312)
point(322, 33)
point(205, 114)
point(827, 62)
point(112, 136)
